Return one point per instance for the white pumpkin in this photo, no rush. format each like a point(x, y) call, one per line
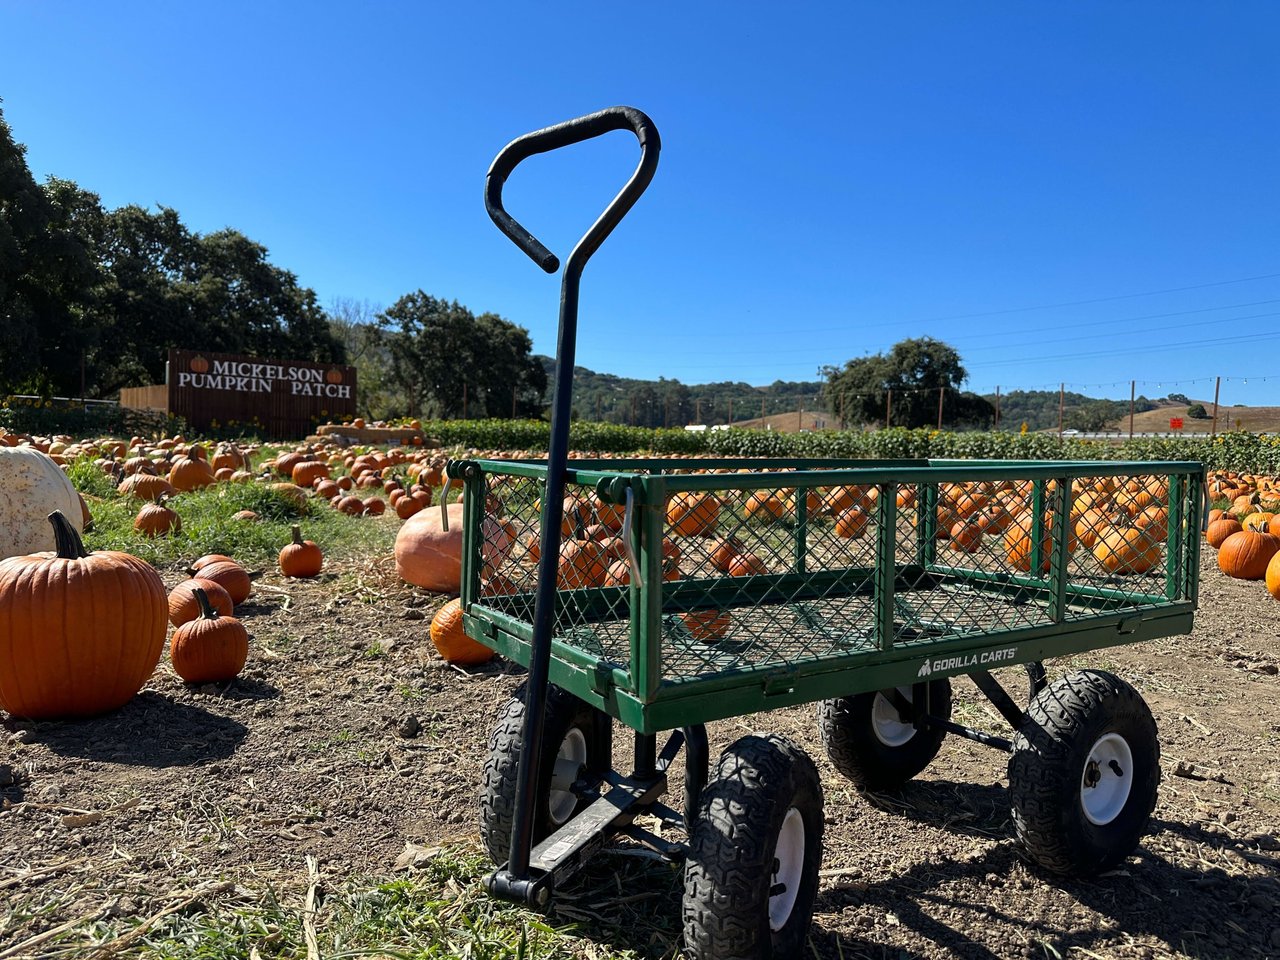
point(34, 486)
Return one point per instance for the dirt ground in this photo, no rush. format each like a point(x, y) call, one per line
point(346, 738)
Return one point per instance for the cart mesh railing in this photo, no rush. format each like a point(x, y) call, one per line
point(753, 571)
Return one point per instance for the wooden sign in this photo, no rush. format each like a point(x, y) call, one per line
point(276, 398)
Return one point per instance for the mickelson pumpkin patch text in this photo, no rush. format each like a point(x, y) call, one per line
point(243, 377)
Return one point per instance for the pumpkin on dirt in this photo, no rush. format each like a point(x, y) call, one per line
point(450, 638)
point(229, 575)
point(183, 607)
point(210, 648)
point(1218, 530)
point(53, 665)
point(301, 558)
point(430, 557)
point(34, 486)
point(1246, 555)
point(1128, 549)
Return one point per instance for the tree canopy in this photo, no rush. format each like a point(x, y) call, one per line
point(444, 358)
point(905, 383)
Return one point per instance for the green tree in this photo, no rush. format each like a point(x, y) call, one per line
point(915, 370)
point(1197, 412)
point(437, 348)
point(47, 278)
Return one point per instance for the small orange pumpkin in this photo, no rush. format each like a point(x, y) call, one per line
point(209, 648)
point(301, 558)
point(450, 639)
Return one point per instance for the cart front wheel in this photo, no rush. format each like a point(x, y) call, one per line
point(874, 746)
point(1084, 773)
point(752, 872)
point(575, 746)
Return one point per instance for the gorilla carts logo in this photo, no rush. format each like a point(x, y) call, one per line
point(950, 664)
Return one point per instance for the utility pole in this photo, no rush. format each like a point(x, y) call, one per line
point(464, 400)
point(731, 411)
point(633, 409)
point(666, 410)
point(997, 406)
point(842, 411)
point(1062, 388)
point(800, 417)
point(1216, 387)
point(1133, 386)
point(888, 407)
point(697, 410)
point(940, 391)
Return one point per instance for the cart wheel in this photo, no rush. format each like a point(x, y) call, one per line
point(752, 872)
point(868, 742)
point(574, 744)
point(1083, 774)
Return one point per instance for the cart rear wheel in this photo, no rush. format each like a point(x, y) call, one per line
point(871, 744)
point(573, 747)
point(752, 872)
point(1084, 773)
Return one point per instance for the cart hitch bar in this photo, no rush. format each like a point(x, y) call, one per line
point(518, 150)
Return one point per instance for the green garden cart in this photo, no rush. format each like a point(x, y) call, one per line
point(665, 594)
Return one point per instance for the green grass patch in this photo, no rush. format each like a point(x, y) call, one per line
point(624, 908)
point(208, 527)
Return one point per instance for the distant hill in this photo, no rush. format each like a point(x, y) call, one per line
point(609, 398)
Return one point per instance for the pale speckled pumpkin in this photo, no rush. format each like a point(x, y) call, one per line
point(34, 486)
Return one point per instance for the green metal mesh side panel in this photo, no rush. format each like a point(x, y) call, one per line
point(791, 566)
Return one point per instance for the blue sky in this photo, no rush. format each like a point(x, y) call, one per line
point(1082, 192)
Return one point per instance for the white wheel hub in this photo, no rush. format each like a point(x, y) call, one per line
point(788, 869)
point(887, 724)
point(1107, 779)
point(570, 759)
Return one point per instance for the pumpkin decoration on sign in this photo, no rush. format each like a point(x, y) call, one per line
point(80, 632)
point(451, 641)
point(34, 486)
point(211, 647)
point(301, 558)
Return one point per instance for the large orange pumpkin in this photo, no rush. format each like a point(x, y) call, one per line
point(1218, 530)
point(430, 557)
point(1245, 555)
point(80, 632)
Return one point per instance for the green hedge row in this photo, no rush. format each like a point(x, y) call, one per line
point(1232, 451)
point(46, 418)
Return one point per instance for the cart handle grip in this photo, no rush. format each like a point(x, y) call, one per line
point(444, 504)
point(563, 135)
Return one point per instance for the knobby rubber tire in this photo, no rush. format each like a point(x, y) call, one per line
point(498, 791)
point(854, 749)
point(1050, 752)
point(730, 866)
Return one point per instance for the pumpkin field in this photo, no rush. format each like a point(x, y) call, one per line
point(241, 719)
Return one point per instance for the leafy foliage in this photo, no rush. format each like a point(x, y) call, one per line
point(446, 360)
point(904, 385)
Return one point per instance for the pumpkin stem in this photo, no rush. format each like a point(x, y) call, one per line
point(206, 608)
point(69, 546)
point(297, 534)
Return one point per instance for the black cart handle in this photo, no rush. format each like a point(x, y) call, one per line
point(563, 135)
